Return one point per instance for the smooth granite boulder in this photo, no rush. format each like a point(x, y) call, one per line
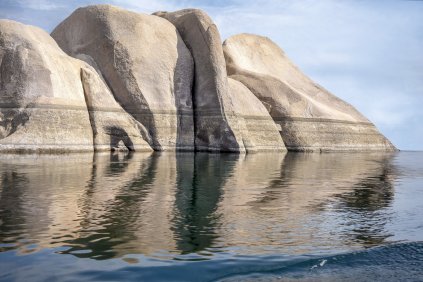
point(216, 130)
point(120, 80)
point(51, 102)
point(310, 118)
point(42, 103)
point(113, 128)
point(144, 62)
point(259, 131)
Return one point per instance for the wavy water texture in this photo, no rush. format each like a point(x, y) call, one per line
point(158, 216)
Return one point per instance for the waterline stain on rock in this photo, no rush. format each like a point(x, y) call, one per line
point(133, 81)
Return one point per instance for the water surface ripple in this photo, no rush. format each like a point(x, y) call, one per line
point(202, 217)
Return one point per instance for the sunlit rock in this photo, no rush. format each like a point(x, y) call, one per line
point(216, 130)
point(130, 81)
point(311, 118)
point(259, 131)
point(113, 128)
point(51, 102)
point(42, 102)
point(144, 62)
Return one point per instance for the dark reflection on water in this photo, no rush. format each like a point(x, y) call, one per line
point(199, 189)
point(112, 224)
point(105, 206)
point(365, 207)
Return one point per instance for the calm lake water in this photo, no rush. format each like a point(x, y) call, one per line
point(205, 217)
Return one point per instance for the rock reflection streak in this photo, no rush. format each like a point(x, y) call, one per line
point(165, 205)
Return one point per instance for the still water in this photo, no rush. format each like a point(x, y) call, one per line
point(205, 217)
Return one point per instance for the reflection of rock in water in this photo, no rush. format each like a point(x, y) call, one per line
point(295, 210)
point(165, 202)
point(199, 191)
point(251, 175)
point(136, 218)
point(364, 208)
point(109, 205)
point(39, 197)
point(112, 204)
point(12, 214)
point(371, 193)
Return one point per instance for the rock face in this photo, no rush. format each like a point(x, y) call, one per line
point(119, 80)
point(259, 131)
point(112, 127)
point(310, 117)
point(144, 62)
point(51, 102)
point(216, 129)
point(42, 104)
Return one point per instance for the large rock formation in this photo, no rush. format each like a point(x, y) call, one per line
point(113, 128)
point(227, 115)
point(259, 131)
point(216, 129)
point(141, 82)
point(144, 62)
point(44, 102)
point(310, 117)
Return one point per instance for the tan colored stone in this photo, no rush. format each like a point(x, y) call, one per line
point(259, 131)
point(215, 129)
point(144, 62)
point(113, 128)
point(51, 102)
point(42, 104)
point(310, 117)
point(138, 89)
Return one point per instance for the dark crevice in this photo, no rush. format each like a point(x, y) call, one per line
point(194, 104)
point(89, 109)
point(120, 52)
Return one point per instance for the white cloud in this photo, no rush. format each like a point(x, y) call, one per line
point(145, 6)
point(39, 4)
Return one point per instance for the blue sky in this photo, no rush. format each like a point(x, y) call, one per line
point(369, 53)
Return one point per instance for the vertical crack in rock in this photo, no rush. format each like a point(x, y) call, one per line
point(113, 128)
point(259, 131)
point(161, 82)
point(138, 54)
point(214, 130)
point(240, 118)
point(89, 106)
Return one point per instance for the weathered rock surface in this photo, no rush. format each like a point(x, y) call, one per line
point(42, 104)
point(51, 102)
point(259, 131)
point(129, 81)
point(144, 62)
point(310, 117)
point(215, 129)
point(112, 127)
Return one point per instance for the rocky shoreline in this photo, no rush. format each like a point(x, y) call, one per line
point(111, 79)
